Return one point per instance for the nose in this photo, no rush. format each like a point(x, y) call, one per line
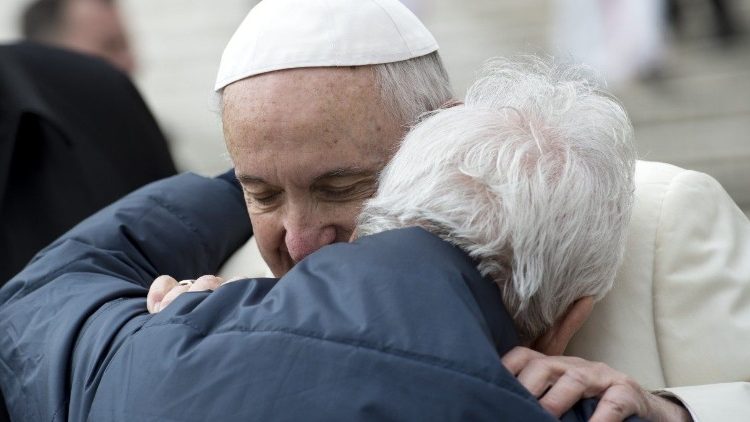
point(302, 241)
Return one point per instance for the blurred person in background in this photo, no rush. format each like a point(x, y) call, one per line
point(726, 26)
point(89, 26)
point(75, 135)
point(623, 39)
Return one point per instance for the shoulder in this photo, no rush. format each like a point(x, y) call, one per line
point(686, 272)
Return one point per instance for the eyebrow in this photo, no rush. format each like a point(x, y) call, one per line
point(339, 172)
point(244, 178)
point(343, 172)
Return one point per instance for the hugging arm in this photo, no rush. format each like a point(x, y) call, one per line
point(68, 311)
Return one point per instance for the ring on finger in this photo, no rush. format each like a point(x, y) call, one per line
point(185, 283)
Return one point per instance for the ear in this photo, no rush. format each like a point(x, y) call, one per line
point(556, 339)
point(451, 103)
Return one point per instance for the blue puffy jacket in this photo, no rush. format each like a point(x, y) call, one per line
point(397, 326)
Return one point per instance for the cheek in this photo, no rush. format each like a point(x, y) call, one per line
point(268, 234)
point(344, 217)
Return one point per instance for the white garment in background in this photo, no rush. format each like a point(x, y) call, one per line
point(620, 38)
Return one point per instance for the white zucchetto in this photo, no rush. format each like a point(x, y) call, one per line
point(286, 34)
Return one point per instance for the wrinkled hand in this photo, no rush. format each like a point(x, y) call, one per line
point(165, 289)
point(561, 381)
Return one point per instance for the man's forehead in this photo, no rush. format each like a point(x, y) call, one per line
point(325, 107)
point(298, 125)
point(353, 83)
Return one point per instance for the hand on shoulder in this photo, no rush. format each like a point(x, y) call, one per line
point(165, 289)
point(561, 381)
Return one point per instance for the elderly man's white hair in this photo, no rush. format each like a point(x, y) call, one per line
point(532, 176)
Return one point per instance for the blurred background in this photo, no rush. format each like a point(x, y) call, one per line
point(681, 67)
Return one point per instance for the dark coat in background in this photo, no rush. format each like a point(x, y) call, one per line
point(397, 326)
point(75, 135)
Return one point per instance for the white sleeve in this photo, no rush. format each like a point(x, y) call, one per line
point(728, 402)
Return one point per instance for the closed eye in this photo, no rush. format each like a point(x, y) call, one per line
point(360, 190)
point(266, 199)
point(262, 201)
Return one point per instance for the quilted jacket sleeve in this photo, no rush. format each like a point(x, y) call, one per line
point(63, 317)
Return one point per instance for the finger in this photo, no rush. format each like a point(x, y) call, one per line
point(206, 282)
point(159, 288)
point(539, 375)
point(172, 295)
point(616, 404)
point(518, 358)
point(572, 386)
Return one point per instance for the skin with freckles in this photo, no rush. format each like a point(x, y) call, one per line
point(307, 145)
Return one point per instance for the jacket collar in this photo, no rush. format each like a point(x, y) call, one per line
point(485, 292)
point(489, 299)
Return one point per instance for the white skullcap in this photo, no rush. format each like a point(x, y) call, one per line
point(286, 34)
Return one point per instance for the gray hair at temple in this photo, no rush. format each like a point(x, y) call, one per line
point(413, 87)
point(533, 176)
